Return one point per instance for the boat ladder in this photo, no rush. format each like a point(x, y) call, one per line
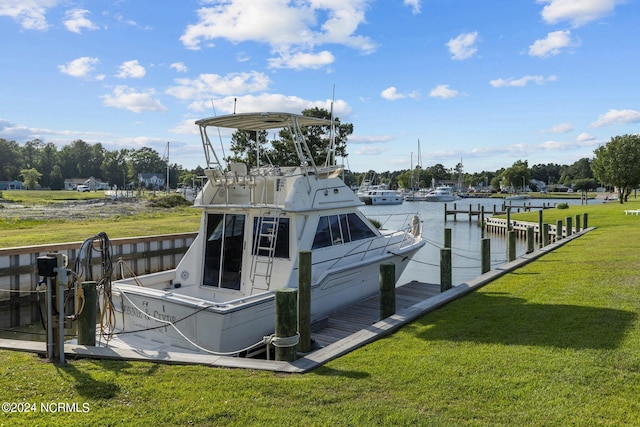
point(264, 247)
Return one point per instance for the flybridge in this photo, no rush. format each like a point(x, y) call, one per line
point(262, 121)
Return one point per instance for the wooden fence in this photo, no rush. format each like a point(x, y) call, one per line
point(19, 275)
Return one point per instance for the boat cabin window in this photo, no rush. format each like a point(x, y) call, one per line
point(264, 230)
point(223, 250)
point(338, 229)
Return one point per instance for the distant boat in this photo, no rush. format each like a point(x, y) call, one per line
point(441, 194)
point(517, 197)
point(380, 195)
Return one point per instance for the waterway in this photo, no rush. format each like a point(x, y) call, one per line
point(465, 236)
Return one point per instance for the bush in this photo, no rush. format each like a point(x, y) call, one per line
point(170, 201)
point(562, 206)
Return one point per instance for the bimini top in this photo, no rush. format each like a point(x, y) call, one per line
point(258, 121)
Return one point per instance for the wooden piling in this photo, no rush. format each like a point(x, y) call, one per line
point(545, 234)
point(447, 238)
point(585, 220)
point(540, 222)
point(304, 301)
point(577, 223)
point(285, 327)
point(558, 230)
point(511, 246)
point(509, 218)
point(569, 221)
point(387, 290)
point(445, 269)
point(87, 319)
point(530, 239)
point(485, 245)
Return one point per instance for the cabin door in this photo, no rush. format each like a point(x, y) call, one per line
point(223, 250)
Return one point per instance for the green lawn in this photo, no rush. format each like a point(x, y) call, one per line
point(555, 343)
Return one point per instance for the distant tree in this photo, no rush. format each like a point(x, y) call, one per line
point(75, 159)
point(616, 163)
point(56, 181)
point(585, 184)
point(438, 172)
point(146, 160)
point(244, 147)
point(30, 178)
point(10, 160)
point(48, 161)
point(516, 176)
point(114, 168)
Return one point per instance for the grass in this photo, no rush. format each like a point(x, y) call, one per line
point(556, 342)
point(18, 231)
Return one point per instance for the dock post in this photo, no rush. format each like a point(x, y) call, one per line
point(577, 223)
point(481, 220)
point(540, 226)
point(304, 301)
point(387, 290)
point(530, 239)
point(87, 317)
point(445, 269)
point(508, 210)
point(585, 220)
point(545, 234)
point(470, 213)
point(455, 211)
point(445, 213)
point(511, 246)
point(485, 245)
point(558, 230)
point(447, 238)
point(286, 337)
point(569, 221)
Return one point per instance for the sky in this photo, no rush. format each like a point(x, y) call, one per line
point(485, 83)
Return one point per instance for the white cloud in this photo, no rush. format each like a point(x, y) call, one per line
point(617, 117)
point(75, 20)
point(577, 12)
point(463, 46)
point(268, 102)
point(523, 81)
point(561, 128)
point(369, 151)
point(552, 44)
point(132, 100)
point(299, 61)
point(179, 67)
point(131, 69)
point(285, 26)
point(391, 94)
point(443, 91)
point(207, 86)
point(414, 5)
point(30, 14)
point(80, 67)
point(583, 137)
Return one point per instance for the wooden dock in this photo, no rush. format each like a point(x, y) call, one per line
point(349, 320)
point(501, 209)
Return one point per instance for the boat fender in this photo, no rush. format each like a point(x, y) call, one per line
point(415, 226)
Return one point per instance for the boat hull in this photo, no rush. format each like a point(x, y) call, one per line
point(196, 324)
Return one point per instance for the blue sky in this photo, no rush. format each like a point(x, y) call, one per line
point(490, 83)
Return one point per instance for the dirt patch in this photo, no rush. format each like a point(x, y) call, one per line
point(77, 210)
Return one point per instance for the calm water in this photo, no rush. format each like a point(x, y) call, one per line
point(465, 236)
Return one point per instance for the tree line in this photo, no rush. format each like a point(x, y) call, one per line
point(615, 164)
point(43, 164)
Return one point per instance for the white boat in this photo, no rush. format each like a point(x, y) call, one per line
point(441, 194)
point(220, 298)
point(380, 195)
point(519, 196)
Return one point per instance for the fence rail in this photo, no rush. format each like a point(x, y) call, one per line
point(19, 275)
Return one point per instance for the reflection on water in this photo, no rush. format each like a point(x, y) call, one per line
point(465, 237)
